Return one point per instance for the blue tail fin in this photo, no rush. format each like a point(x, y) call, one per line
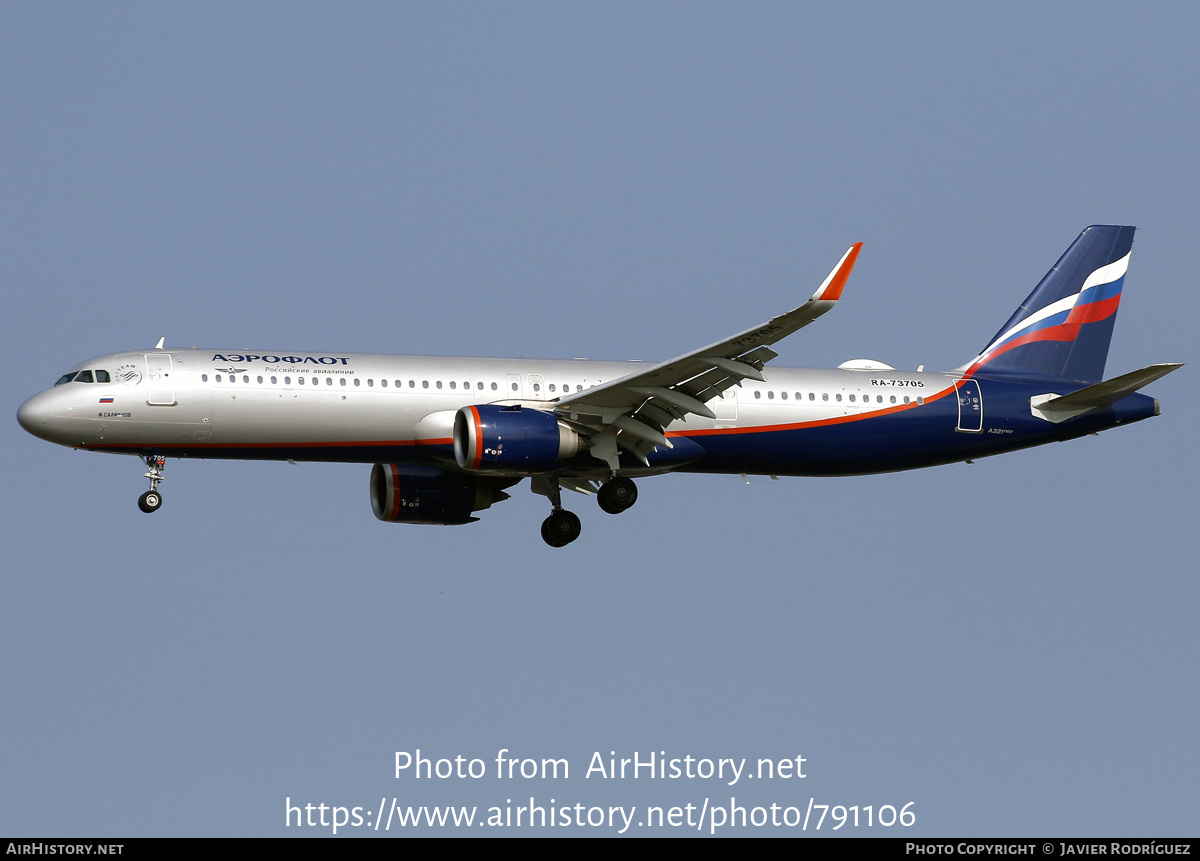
point(1064, 327)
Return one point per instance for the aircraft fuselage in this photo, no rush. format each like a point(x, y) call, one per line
point(361, 408)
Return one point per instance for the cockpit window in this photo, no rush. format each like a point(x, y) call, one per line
point(102, 377)
point(83, 377)
point(66, 378)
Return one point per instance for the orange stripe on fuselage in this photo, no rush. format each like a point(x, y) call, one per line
point(832, 420)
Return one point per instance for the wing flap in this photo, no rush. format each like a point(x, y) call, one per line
point(683, 385)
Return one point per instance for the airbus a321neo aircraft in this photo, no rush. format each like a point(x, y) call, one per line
point(448, 436)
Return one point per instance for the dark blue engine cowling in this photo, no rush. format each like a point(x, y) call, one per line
point(490, 438)
point(411, 494)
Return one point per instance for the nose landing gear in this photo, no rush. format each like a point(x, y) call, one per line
point(151, 500)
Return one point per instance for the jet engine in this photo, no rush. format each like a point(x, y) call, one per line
point(412, 494)
point(513, 440)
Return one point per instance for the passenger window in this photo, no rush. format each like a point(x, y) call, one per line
point(424, 384)
point(300, 380)
point(783, 395)
point(259, 379)
point(812, 396)
point(204, 378)
point(371, 383)
point(537, 387)
point(824, 396)
point(514, 387)
point(383, 383)
point(467, 386)
point(906, 399)
point(342, 381)
point(893, 398)
point(453, 384)
point(439, 384)
point(245, 378)
point(771, 395)
point(219, 378)
point(357, 381)
point(839, 398)
point(274, 380)
point(552, 387)
point(493, 387)
point(852, 399)
point(757, 393)
point(480, 386)
point(287, 381)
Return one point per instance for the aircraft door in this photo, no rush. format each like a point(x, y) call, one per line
point(725, 405)
point(970, 406)
point(158, 375)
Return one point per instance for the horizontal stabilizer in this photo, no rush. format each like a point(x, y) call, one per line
point(1057, 408)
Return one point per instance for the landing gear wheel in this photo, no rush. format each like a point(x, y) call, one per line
point(617, 494)
point(561, 528)
point(150, 501)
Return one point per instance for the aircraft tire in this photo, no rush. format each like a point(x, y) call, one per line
point(150, 501)
point(561, 528)
point(617, 495)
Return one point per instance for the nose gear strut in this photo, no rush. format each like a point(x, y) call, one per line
point(151, 500)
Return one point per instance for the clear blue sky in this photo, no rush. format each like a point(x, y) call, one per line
point(1011, 645)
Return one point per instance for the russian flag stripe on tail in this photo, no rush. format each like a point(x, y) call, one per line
point(1063, 329)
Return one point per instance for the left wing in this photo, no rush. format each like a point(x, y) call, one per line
point(632, 412)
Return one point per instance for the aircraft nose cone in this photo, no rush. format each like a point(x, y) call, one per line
point(31, 415)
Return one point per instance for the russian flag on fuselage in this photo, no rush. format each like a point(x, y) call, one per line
point(1064, 327)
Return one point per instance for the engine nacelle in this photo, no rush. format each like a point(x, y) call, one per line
point(491, 438)
point(428, 495)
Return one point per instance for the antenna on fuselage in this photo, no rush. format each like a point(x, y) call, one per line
point(161, 340)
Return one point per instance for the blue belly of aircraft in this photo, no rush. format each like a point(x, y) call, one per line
point(920, 436)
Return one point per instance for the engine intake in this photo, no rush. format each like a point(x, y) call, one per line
point(514, 440)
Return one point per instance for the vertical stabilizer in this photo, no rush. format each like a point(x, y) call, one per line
point(1063, 329)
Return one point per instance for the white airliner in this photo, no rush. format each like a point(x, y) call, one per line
point(448, 436)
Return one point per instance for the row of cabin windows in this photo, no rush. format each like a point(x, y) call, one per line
point(399, 384)
point(102, 377)
point(812, 396)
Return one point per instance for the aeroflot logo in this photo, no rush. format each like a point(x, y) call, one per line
point(281, 360)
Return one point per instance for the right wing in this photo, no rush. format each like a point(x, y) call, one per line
point(632, 412)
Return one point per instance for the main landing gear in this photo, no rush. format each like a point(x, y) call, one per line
point(151, 500)
point(617, 494)
point(562, 526)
